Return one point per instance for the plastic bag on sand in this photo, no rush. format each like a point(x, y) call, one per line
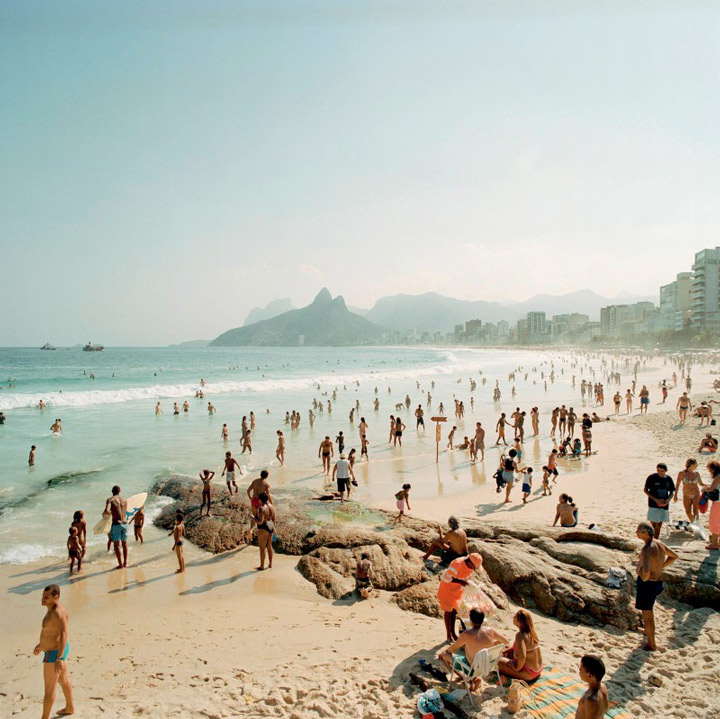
point(474, 598)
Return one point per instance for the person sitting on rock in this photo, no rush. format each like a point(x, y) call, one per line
point(566, 512)
point(363, 584)
point(472, 641)
point(523, 658)
point(451, 544)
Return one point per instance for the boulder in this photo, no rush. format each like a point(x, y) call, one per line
point(693, 578)
point(590, 557)
point(420, 598)
point(328, 583)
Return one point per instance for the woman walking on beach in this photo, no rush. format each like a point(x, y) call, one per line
point(402, 498)
point(689, 478)
point(523, 660)
point(399, 428)
point(266, 529)
point(392, 428)
point(280, 451)
point(713, 494)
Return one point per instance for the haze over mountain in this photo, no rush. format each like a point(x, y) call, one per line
point(271, 309)
point(324, 322)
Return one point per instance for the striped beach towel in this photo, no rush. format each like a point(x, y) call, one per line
point(555, 696)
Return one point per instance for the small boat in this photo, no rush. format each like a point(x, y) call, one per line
point(89, 347)
point(48, 346)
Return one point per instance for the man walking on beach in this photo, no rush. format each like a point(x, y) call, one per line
point(660, 489)
point(55, 647)
point(326, 450)
point(116, 506)
point(654, 557)
point(342, 472)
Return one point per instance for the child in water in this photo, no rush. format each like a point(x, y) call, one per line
point(402, 498)
point(138, 524)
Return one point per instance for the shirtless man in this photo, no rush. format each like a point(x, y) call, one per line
point(363, 583)
point(595, 701)
point(255, 489)
point(419, 417)
point(224, 433)
point(473, 640)
point(55, 647)
point(451, 436)
point(326, 451)
point(31, 457)
point(229, 469)
point(206, 477)
point(246, 442)
point(56, 427)
point(500, 429)
point(116, 507)
point(280, 451)
point(654, 557)
point(480, 441)
point(451, 544)
point(158, 410)
point(644, 399)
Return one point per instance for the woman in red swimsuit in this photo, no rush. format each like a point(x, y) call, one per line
point(523, 660)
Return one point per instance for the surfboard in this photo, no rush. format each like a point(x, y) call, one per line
point(134, 504)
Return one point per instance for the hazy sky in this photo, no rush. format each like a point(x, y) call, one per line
point(166, 166)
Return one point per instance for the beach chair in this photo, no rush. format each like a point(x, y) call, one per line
point(485, 663)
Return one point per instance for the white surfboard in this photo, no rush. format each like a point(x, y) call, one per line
point(134, 504)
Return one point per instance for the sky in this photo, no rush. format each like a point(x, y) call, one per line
point(167, 166)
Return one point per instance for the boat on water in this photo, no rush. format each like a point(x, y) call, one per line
point(48, 346)
point(89, 347)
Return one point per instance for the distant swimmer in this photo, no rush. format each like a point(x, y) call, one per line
point(419, 417)
point(31, 458)
point(186, 406)
point(311, 417)
point(55, 645)
point(280, 451)
point(326, 451)
point(158, 410)
point(176, 409)
point(211, 409)
point(116, 507)
point(224, 433)
point(41, 404)
point(247, 442)
point(399, 429)
point(56, 427)
point(206, 478)
point(229, 472)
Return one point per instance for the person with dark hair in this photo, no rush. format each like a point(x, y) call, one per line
point(472, 641)
point(363, 583)
point(451, 544)
point(660, 489)
point(55, 647)
point(712, 491)
point(654, 557)
point(566, 512)
point(266, 530)
point(116, 506)
point(450, 591)
point(179, 536)
point(595, 701)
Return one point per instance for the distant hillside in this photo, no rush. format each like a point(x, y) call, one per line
point(430, 312)
point(585, 302)
point(192, 343)
point(325, 322)
point(271, 309)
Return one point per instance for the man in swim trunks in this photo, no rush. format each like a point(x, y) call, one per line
point(55, 647)
point(343, 472)
point(644, 399)
point(229, 469)
point(419, 417)
point(116, 507)
point(254, 490)
point(451, 544)
point(472, 640)
point(654, 557)
point(659, 488)
point(479, 441)
point(326, 450)
point(206, 478)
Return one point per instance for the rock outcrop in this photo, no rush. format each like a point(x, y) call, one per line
point(562, 573)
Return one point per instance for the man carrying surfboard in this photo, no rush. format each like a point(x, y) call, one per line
point(116, 506)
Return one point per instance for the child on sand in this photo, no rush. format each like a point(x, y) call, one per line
point(138, 524)
point(178, 535)
point(81, 526)
point(527, 484)
point(74, 550)
point(402, 498)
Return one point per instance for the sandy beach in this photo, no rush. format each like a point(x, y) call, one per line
point(224, 641)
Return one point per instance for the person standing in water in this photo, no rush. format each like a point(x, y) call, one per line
point(56, 427)
point(31, 457)
point(55, 645)
point(280, 451)
point(326, 450)
point(116, 506)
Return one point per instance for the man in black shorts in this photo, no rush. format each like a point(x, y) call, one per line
point(419, 417)
point(343, 472)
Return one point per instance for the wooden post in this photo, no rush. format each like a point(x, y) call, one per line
point(438, 435)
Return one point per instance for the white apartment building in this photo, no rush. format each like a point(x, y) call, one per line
point(705, 291)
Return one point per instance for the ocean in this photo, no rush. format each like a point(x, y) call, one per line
point(106, 401)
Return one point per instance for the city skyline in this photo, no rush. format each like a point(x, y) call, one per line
point(166, 171)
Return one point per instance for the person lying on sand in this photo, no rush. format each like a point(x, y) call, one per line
point(708, 444)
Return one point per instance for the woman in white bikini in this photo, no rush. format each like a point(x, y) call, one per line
point(689, 479)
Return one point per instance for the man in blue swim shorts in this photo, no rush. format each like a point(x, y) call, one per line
point(116, 506)
point(55, 647)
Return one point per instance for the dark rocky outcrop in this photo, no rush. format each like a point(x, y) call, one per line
point(560, 572)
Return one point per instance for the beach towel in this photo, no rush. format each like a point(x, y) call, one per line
point(555, 696)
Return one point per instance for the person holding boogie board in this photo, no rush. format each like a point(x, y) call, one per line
point(116, 506)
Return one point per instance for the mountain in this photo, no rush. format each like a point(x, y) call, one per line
point(430, 312)
point(271, 309)
point(192, 343)
point(325, 322)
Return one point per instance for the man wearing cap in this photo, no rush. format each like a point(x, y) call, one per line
point(450, 591)
point(342, 472)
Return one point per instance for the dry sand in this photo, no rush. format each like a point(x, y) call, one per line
point(225, 641)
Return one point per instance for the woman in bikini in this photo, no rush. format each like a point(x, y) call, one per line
point(689, 478)
point(179, 535)
point(266, 529)
point(523, 660)
point(566, 512)
point(392, 428)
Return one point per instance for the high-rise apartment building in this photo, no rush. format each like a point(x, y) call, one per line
point(705, 291)
point(675, 303)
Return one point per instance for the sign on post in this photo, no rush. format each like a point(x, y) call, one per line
point(437, 421)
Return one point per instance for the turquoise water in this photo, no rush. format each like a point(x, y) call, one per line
point(112, 436)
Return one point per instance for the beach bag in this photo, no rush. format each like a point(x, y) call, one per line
point(713, 496)
point(517, 693)
point(704, 505)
